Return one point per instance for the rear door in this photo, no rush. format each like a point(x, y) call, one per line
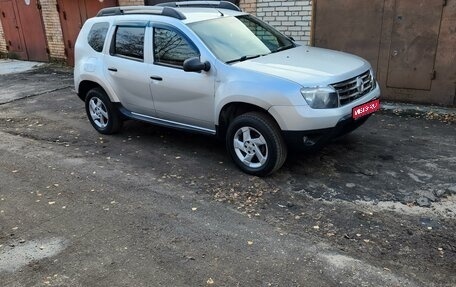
point(126, 69)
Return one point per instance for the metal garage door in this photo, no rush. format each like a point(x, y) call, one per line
point(410, 43)
point(73, 14)
point(414, 41)
point(24, 29)
point(350, 25)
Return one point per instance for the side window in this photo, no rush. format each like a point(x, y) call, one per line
point(171, 48)
point(129, 42)
point(97, 36)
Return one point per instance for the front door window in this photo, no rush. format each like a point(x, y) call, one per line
point(171, 48)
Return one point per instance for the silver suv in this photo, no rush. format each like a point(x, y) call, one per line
point(208, 67)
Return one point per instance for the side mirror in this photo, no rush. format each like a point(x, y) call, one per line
point(195, 65)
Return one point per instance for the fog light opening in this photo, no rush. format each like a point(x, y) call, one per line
point(308, 141)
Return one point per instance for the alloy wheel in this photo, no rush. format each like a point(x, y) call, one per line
point(250, 147)
point(98, 112)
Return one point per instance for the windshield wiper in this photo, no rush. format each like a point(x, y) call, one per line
point(284, 48)
point(243, 58)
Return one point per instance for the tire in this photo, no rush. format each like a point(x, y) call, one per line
point(102, 113)
point(255, 144)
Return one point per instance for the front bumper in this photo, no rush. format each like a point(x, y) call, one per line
point(304, 118)
point(315, 139)
point(307, 128)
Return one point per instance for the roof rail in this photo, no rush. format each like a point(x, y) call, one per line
point(125, 10)
point(207, 4)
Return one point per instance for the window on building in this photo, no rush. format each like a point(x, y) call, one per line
point(129, 42)
point(171, 48)
point(97, 36)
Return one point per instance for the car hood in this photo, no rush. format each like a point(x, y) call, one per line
point(308, 66)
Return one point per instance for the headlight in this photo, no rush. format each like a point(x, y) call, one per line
point(321, 98)
point(374, 81)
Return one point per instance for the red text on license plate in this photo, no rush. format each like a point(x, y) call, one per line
point(366, 109)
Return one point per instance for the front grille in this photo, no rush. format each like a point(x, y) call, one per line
point(351, 90)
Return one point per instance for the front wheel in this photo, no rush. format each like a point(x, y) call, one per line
point(255, 143)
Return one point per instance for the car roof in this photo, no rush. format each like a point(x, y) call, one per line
point(202, 14)
point(185, 14)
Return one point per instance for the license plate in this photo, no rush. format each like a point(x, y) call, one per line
point(366, 109)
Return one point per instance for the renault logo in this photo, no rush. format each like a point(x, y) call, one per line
point(360, 85)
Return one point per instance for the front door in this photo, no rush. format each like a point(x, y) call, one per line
point(183, 97)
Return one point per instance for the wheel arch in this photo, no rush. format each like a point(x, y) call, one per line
point(86, 85)
point(233, 109)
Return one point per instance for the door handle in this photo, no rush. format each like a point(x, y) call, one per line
point(156, 78)
point(112, 69)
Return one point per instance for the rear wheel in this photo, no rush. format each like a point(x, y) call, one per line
point(255, 143)
point(102, 113)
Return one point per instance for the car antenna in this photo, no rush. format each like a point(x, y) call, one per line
point(221, 14)
point(215, 7)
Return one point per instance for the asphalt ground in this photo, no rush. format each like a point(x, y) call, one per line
point(158, 207)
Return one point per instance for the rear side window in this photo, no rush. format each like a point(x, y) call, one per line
point(97, 36)
point(129, 42)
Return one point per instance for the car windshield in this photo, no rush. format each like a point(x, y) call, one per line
point(240, 38)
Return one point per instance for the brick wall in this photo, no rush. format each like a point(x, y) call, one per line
point(2, 41)
point(248, 6)
point(130, 2)
point(53, 29)
point(290, 17)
